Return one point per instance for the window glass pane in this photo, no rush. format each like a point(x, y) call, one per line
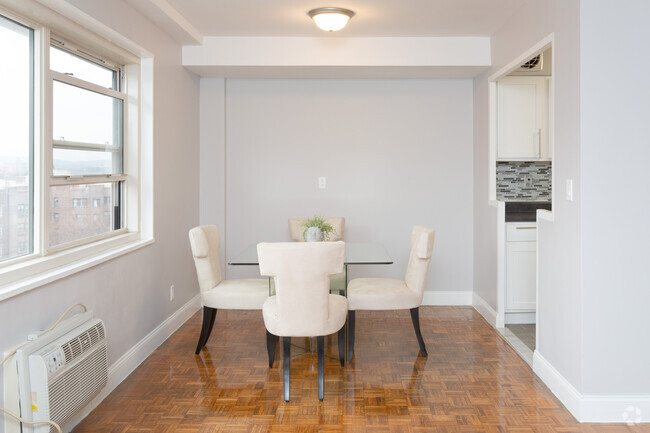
point(87, 131)
point(70, 162)
point(78, 67)
point(83, 211)
point(16, 138)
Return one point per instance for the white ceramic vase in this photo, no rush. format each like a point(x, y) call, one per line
point(313, 234)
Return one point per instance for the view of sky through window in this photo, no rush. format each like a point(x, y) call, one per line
point(15, 137)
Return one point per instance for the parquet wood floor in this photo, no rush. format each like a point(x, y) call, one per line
point(472, 382)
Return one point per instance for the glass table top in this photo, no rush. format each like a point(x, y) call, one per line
point(356, 253)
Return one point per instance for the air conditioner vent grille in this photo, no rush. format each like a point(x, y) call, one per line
point(71, 391)
point(83, 342)
point(60, 372)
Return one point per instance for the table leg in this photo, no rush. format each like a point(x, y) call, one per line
point(345, 326)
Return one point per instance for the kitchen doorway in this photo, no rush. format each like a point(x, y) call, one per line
point(521, 177)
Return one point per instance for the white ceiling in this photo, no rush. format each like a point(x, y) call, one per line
point(374, 18)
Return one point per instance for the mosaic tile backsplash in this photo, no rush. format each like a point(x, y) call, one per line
point(511, 181)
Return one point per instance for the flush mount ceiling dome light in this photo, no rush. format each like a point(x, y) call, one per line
point(331, 19)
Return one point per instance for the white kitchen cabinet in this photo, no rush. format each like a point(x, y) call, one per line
point(523, 119)
point(521, 263)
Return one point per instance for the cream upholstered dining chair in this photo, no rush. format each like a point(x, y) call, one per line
point(303, 305)
point(391, 294)
point(296, 230)
point(216, 293)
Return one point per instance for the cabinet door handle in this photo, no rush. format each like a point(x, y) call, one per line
point(525, 228)
point(539, 143)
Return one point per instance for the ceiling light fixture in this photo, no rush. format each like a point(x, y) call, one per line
point(330, 19)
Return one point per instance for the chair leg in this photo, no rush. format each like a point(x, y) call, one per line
point(320, 342)
point(415, 317)
point(341, 338)
point(271, 341)
point(208, 321)
point(350, 335)
point(214, 316)
point(286, 342)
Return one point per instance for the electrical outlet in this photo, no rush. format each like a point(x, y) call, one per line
point(322, 182)
point(171, 293)
point(528, 181)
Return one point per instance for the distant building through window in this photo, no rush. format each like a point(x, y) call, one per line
point(79, 202)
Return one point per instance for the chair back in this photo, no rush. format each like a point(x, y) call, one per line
point(302, 285)
point(421, 247)
point(205, 249)
point(296, 228)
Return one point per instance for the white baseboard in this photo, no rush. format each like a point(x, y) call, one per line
point(562, 388)
point(631, 409)
point(128, 362)
point(447, 298)
point(519, 318)
point(485, 310)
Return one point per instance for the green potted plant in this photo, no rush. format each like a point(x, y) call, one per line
point(317, 229)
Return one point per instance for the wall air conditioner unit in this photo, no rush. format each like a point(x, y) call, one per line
point(534, 64)
point(60, 372)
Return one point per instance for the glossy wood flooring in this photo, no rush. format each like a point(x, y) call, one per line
point(471, 382)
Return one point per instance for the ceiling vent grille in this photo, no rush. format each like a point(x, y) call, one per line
point(534, 64)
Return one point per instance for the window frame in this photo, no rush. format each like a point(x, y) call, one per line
point(45, 263)
point(52, 180)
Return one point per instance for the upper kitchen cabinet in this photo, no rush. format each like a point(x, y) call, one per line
point(523, 119)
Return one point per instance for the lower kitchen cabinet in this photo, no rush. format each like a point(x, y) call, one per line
point(521, 263)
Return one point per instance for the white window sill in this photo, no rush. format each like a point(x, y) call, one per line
point(12, 289)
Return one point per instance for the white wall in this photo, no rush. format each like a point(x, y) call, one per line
point(395, 153)
point(615, 196)
point(485, 216)
point(131, 293)
point(560, 326)
point(213, 157)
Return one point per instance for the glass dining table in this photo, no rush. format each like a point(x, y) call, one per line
point(356, 253)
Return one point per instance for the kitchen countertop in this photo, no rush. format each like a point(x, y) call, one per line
point(525, 211)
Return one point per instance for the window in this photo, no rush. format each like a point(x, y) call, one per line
point(16, 133)
point(87, 141)
point(22, 210)
point(65, 194)
point(79, 202)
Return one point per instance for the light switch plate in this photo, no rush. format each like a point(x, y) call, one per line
point(569, 189)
